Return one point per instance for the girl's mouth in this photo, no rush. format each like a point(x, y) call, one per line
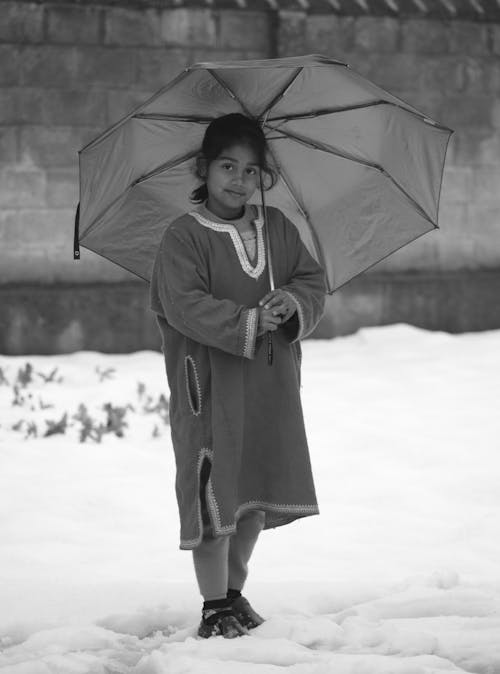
point(236, 194)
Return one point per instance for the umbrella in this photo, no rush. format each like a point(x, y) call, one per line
point(360, 170)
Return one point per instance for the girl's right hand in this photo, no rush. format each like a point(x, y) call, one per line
point(268, 322)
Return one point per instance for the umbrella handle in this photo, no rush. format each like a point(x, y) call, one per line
point(270, 353)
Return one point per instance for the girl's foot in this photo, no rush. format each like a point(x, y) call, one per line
point(220, 622)
point(245, 614)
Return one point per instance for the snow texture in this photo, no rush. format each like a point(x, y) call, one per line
point(400, 574)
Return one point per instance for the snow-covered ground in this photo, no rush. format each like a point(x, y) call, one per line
point(400, 574)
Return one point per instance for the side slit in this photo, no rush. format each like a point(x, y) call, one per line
point(206, 468)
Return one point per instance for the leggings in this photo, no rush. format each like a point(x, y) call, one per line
point(221, 562)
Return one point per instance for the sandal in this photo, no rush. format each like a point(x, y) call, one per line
point(220, 622)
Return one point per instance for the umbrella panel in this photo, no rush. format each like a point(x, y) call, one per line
point(198, 95)
point(357, 213)
point(131, 230)
point(135, 149)
point(256, 88)
point(336, 87)
point(409, 150)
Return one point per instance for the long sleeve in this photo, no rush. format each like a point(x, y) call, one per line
point(180, 293)
point(306, 287)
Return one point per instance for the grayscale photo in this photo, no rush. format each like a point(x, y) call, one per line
point(249, 336)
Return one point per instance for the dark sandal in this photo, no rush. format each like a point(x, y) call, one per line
point(220, 622)
point(245, 614)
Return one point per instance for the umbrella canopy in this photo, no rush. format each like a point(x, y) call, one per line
point(359, 170)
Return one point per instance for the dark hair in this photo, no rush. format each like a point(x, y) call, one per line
point(224, 132)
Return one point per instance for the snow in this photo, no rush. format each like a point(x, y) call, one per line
point(400, 574)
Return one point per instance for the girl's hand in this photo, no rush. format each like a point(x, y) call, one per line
point(268, 321)
point(279, 303)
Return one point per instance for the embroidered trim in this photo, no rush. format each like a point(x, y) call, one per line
point(213, 506)
point(253, 272)
point(250, 505)
point(189, 392)
point(300, 314)
point(250, 332)
point(188, 544)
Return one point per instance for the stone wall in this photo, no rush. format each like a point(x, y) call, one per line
point(68, 70)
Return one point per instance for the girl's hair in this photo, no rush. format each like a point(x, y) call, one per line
point(222, 133)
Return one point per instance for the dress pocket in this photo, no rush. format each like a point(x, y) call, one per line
point(193, 389)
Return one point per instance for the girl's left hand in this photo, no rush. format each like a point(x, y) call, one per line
point(280, 302)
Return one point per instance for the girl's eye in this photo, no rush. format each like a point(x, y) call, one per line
point(227, 166)
point(251, 172)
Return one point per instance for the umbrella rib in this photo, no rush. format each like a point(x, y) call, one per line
point(360, 106)
point(229, 91)
point(173, 118)
point(302, 210)
point(323, 148)
point(282, 93)
point(164, 167)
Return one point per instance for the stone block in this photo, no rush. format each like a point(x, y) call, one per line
point(495, 37)
point(30, 102)
point(105, 66)
point(74, 107)
point(156, 67)
point(49, 66)
point(34, 242)
point(21, 22)
point(376, 34)
point(425, 36)
point(481, 74)
point(188, 27)
point(121, 103)
point(132, 27)
point(444, 74)
point(388, 72)
point(213, 55)
point(495, 115)
point(62, 188)
point(74, 24)
point(462, 112)
point(291, 33)
point(54, 146)
point(10, 68)
point(8, 144)
point(469, 37)
point(457, 184)
point(244, 30)
point(22, 187)
point(486, 186)
point(454, 218)
point(468, 144)
point(9, 104)
point(489, 150)
point(329, 34)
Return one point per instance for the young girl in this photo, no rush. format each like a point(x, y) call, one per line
point(236, 420)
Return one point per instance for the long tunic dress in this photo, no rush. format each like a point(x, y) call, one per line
point(227, 403)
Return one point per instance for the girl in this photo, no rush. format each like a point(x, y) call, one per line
point(237, 426)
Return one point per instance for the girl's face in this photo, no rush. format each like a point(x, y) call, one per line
point(231, 180)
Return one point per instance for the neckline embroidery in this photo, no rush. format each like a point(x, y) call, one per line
point(254, 271)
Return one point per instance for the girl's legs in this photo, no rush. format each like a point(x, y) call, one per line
point(210, 557)
point(241, 546)
point(210, 565)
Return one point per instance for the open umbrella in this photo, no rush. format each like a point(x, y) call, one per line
point(360, 170)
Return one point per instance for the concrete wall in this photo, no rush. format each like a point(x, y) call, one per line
point(69, 70)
